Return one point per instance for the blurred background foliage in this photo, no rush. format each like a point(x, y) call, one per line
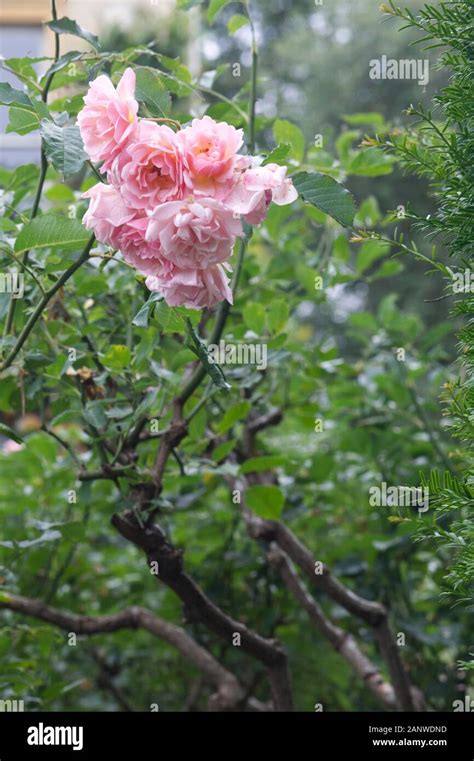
point(354, 414)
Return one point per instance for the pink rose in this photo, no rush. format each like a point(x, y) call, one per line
point(256, 188)
point(210, 154)
point(150, 171)
point(194, 234)
point(192, 288)
point(121, 228)
point(106, 214)
point(109, 118)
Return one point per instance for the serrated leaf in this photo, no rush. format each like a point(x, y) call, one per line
point(52, 231)
point(265, 500)
point(152, 91)
point(64, 60)
point(21, 121)
point(64, 147)
point(66, 25)
point(25, 113)
point(327, 195)
point(9, 95)
point(23, 66)
point(278, 154)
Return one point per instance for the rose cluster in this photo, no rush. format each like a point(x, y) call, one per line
point(174, 202)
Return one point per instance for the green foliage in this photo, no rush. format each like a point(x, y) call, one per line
point(63, 146)
point(105, 360)
point(329, 196)
point(51, 231)
point(152, 91)
point(66, 25)
point(441, 149)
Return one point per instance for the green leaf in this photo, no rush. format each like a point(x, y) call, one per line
point(215, 7)
point(254, 317)
point(22, 122)
point(52, 231)
point(277, 315)
point(143, 315)
point(265, 501)
point(327, 195)
point(371, 117)
point(119, 413)
point(388, 268)
point(185, 5)
point(73, 531)
point(118, 357)
point(25, 113)
point(151, 91)
point(64, 147)
point(259, 464)
point(199, 348)
point(371, 162)
point(344, 143)
point(286, 132)
point(6, 431)
point(369, 253)
point(66, 25)
point(23, 66)
point(63, 61)
point(232, 415)
point(224, 449)
point(9, 95)
point(236, 22)
point(278, 154)
point(94, 414)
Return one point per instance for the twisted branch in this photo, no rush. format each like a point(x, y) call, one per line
point(229, 693)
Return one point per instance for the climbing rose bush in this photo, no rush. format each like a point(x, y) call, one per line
point(174, 202)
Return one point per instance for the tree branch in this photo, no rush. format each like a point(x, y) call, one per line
point(342, 641)
point(198, 607)
point(372, 613)
point(229, 693)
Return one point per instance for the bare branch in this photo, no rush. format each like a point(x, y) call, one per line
point(373, 613)
point(198, 607)
point(342, 641)
point(229, 693)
